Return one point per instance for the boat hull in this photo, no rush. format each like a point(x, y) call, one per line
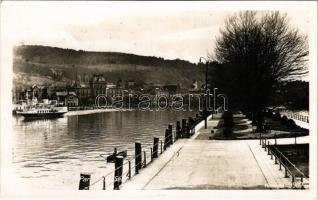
point(42, 115)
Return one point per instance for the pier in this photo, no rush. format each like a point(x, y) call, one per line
point(198, 163)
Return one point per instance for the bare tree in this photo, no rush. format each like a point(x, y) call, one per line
point(259, 50)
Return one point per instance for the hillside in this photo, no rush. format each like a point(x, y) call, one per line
point(42, 64)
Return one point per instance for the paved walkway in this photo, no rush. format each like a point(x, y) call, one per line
point(211, 164)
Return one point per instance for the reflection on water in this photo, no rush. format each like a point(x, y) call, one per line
point(51, 153)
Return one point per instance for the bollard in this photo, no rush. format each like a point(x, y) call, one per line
point(170, 137)
point(84, 181)
point(260, 139)
point(178, 130)
point(151, 154)
point(190, 124)
point(104, 183)
point(265, 144)
point(137, 157)
point(165, 143)
point(183, 128)
point(155, 147)
point(170, 134)
point(170, 127)
point(118, 172)
point(186, 133)
point(145, 159)
point(129, 169)
point(160, 146)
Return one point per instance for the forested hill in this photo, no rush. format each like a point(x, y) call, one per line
point(40, 64)
point(54, 55)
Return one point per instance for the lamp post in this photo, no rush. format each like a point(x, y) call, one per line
point(214, 94)
point(206, 89)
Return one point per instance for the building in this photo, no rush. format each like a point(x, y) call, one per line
point(171, 88)
point(66, 98)
point(71, 99)
point(131, 84)
point(84, 95)
point(98, 85)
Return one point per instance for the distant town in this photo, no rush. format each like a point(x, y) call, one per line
point(83, 91)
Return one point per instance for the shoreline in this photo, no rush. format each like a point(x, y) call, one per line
point(86, 112)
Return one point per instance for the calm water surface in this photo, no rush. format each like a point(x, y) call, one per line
point(51, 154)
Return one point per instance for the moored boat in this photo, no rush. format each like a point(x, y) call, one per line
point(42, 112)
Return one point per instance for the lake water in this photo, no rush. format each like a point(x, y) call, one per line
point(51, 153)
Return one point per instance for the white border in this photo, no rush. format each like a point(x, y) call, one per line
point(6, 125)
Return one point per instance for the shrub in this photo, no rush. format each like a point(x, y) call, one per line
point(284, 120)
point(277, 116)
point(291, 123)
point(227, 123)
point(269, 113)
point(227, 132)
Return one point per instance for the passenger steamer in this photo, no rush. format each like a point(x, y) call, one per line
point(42, 112)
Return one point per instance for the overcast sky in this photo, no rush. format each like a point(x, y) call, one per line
point(185, 30)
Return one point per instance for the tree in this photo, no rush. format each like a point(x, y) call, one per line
point(256, 51)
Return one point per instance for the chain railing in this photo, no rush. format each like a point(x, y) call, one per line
point(127, 170)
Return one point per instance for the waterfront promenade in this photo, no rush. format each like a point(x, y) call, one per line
point(199, 163)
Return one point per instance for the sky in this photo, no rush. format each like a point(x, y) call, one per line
point(184, 30)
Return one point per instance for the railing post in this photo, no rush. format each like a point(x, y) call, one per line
point(84, 181)
point(276, 159)
point(265, 144)
point(155, 147)
point(275, 139)
point(293, 181)
point(129, 169)
point(302, 183)
point(280, 162)
point(271, 154)
point(145, 159)
point(151, 154)
point(104, 183)
point(138, 157)
point(183, 129)
point(160, 146)
point(295, 140)
point(190, 123)
point(118, 172)
point(170, 134)
point(286, 174)
point(178, 131)
point(260, 139)
point(166, 141)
